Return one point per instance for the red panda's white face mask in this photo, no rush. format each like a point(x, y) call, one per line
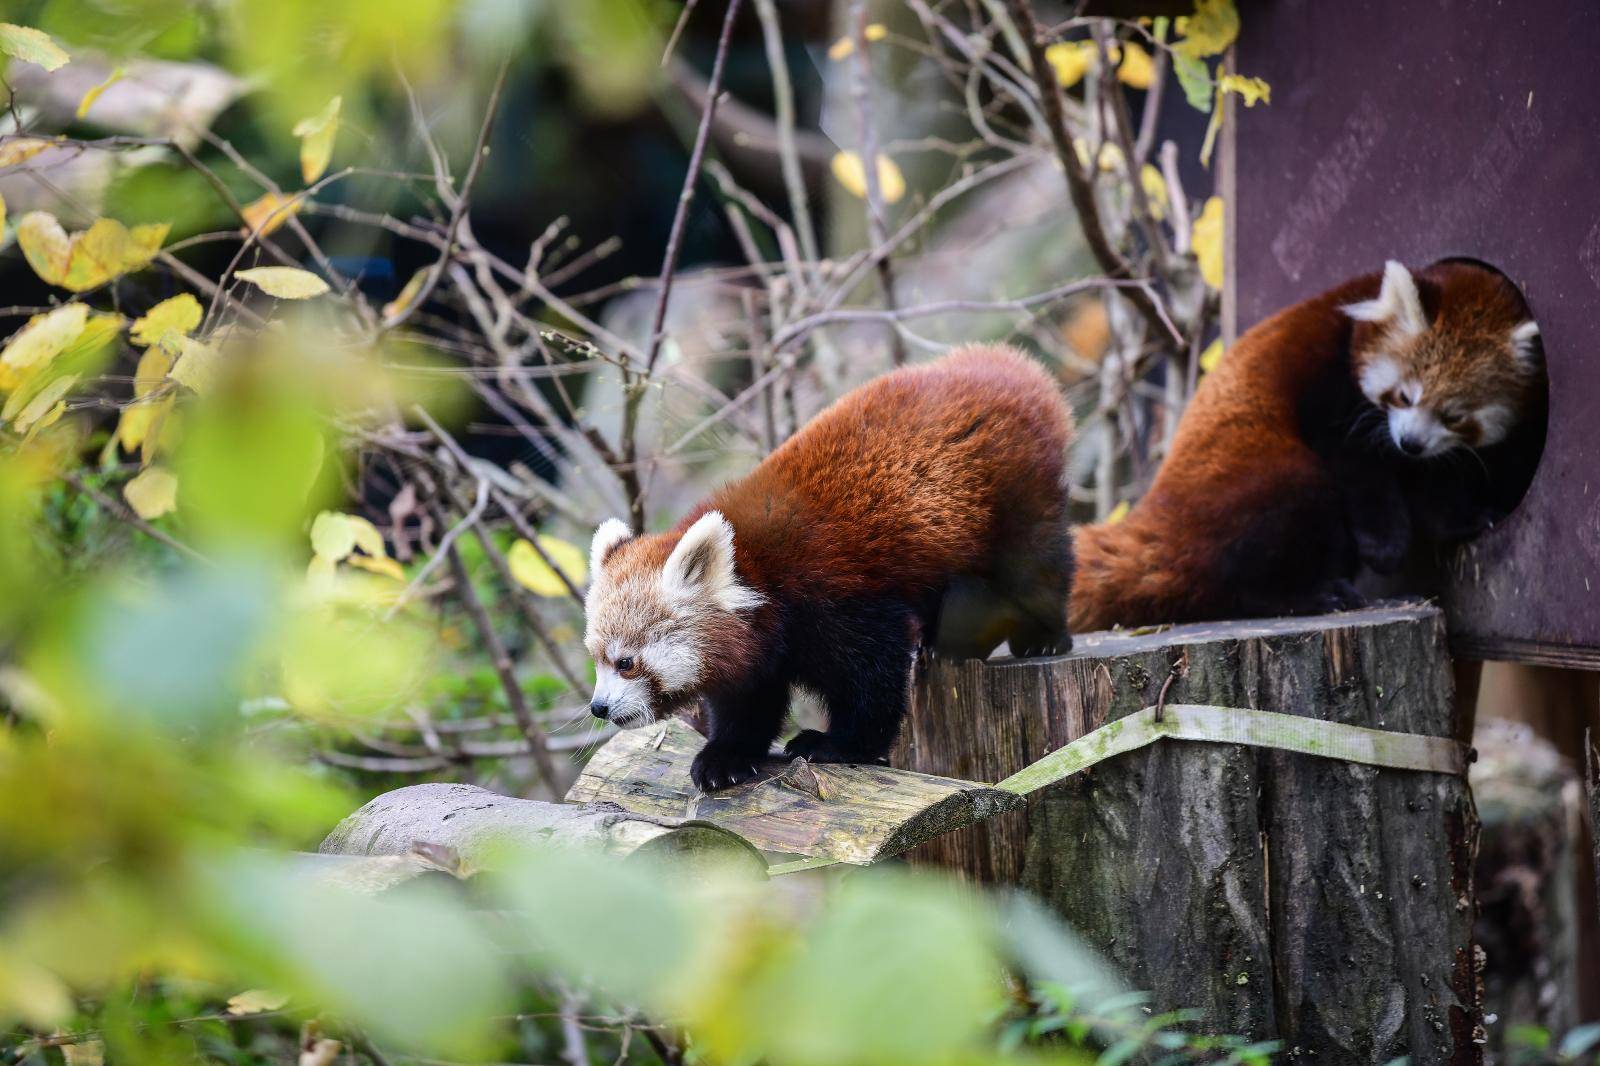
point(1461, 379)
point(651, 628)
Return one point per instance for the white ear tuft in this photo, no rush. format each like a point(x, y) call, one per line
point(702, 566)
point(1398, 302)
point(1526, 342)
point(608, 535)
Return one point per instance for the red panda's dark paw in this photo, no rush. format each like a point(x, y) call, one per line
point(1383, 554)
point(1040, 645)
point(816, 746)
point(1336, 595)
point(715, 769)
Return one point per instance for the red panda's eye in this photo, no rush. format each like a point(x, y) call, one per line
point(627, 667)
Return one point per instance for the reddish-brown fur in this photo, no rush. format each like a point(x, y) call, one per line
point(856, 529)
point(1247, 515)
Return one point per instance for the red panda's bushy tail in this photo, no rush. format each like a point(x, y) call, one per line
point(1125, 575)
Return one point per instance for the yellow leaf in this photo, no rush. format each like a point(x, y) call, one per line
point(1155, 190)
point(1210, 30)
point(849, 172)
point(2, 219)
point(1207, 238)
point(845, 46)
point(89, 259)
point(533, 574)
point(86, 1053)
point(1250, 90)
point(368, 539)
point(321, 570)
point(45, 245)
point(94, 94)
point(332, 536)
point(138, 419)
point(14, 150)
point(256, 1000)
point(1137, 69)
point(1118, 513)
point(1211, 356)
point(33, 346)
point(154, 365)
point(316, 140)
point(32, 46)
point(378, 565)
point(1071, 60)
point(265, 215)
point(197, 366)
point(286, 283)
point(178, 314)
point(39, 404)
point(152, 492)
point(407, 294)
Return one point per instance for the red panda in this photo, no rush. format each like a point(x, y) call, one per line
point(1395, 407)
point(929, 503)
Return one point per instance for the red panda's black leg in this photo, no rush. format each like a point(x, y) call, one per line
point(862, 654)
point(744, 724)
point(1375, 509)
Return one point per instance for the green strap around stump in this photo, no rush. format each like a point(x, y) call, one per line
point(1224, 725)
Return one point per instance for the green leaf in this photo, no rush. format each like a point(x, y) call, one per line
point(32, 46)
point(1195, 79)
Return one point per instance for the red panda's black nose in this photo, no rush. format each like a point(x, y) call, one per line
point(1411, 445)
point(600, 710)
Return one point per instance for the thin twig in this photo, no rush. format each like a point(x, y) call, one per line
point(121, 510)
point(1078, 187)
point(877, 235)
point(456, 200)
point(500, 658)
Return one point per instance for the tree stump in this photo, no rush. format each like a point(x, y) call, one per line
point(1320, 902)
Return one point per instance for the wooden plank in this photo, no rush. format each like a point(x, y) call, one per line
point(855, 814)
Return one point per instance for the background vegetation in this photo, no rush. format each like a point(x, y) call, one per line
point(332, 330)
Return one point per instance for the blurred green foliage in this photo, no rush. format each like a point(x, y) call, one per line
point(154, 700)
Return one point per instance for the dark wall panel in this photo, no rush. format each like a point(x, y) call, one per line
point(1425, 128)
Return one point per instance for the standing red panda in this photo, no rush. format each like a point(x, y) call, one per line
point(908, 508)
point(1328, 436)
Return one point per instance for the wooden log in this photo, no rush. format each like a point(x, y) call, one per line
point(1591, 783)
point(471, 822)
point(1526, 876)
point(855, 814)
point(1286, 896)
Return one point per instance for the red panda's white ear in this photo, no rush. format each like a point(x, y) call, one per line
point(608, 535)
point(1525, 341)
point(701, 566)
point(1398, 302)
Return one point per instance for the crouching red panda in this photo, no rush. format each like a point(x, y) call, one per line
point(1395, 408)
point(929, 503)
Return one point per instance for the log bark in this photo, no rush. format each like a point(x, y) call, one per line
point(1320, 902)
point(471, 822)
point(855, 814)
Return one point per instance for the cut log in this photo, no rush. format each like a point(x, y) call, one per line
point(855, 814)
point(1528, 799)
point(472, 821)
point(1286, 896)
